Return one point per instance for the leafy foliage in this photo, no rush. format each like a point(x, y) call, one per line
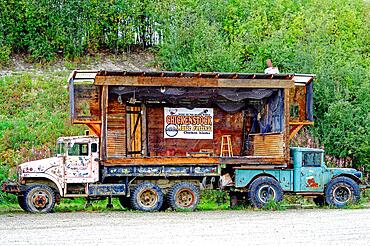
point(328, 38)
point(325, 37)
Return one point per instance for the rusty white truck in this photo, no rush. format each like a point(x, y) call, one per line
point(157, 138)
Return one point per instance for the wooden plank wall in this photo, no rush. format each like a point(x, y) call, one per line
point(298, 97)
point(224, 123)
point(116, 132)
point(86, 102)
point(270, 144)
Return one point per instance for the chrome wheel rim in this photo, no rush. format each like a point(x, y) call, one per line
point(265, 193)
point(342, 194)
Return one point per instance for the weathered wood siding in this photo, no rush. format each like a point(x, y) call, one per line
point(298, 99)
point(86, 102)
point(270, 144)
point(116, 133)
point(224, 123)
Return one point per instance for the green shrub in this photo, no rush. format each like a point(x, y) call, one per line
point(4, 54)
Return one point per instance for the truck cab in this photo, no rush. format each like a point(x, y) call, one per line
point(308, 176)
point(81, 158)
point(311, 173)
point(42, 182)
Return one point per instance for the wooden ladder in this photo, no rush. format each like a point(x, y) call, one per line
point(226, 146)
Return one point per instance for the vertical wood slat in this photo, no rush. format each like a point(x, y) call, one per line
point(286, 122)
point(116, 132)
point(104, 105)
point(144, 136)
point(128, 130)
point(136, 131)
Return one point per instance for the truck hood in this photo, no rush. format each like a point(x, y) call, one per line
point(351, 171)
point(39, 166)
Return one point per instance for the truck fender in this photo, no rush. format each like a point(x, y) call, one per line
point(262, 175)
point(47, 177)
point(246, 180)
point(356, 179)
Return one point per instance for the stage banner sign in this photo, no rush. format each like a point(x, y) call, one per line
point(186, 123)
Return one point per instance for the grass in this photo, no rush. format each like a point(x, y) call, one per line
point(212, 200)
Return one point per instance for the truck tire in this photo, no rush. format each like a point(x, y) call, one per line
point(342, 191)
point(147, 197)
point(183, 195)
point(263, 189)
point(125, 202)
point(21, 201)
point(39, 198)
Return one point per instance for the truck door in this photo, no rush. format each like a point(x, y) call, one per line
point(81, 164)
point(311, 172)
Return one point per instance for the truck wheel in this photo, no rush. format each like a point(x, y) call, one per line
point(342, 191)
point(39, 198)
point(147, 197)
point(21, 202)
point(183, 195)
point(263, 189)
point(124, 201)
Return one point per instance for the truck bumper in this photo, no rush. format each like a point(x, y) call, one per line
point(11, 187)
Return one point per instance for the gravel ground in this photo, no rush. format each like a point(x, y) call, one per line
point(291, 227)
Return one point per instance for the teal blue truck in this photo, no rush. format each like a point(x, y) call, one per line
point(309, 177)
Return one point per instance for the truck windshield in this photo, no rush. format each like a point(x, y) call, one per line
point(312, 159)
point(78, 149)
point(61, 148)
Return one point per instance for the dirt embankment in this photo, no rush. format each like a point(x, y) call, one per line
point(143, 61)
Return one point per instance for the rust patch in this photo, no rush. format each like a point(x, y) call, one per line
point(312, 183)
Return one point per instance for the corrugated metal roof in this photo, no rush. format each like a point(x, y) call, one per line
point(89, 75)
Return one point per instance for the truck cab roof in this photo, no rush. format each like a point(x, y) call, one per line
point(80, 139)
point(304, 149)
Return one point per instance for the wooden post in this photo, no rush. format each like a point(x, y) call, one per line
point(286, 124)
point(128, 130)
point(144, 135)
point(104, 122)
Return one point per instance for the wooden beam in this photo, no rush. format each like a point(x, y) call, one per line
point(305, 123)
point(160, 160)
point(286, 122)
point(193, 82)
point(95, 128)
point(296, 126)
point(104, 122)
point(144, 127)
point(128, 130)
point(294, 130)
point(87, 122)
